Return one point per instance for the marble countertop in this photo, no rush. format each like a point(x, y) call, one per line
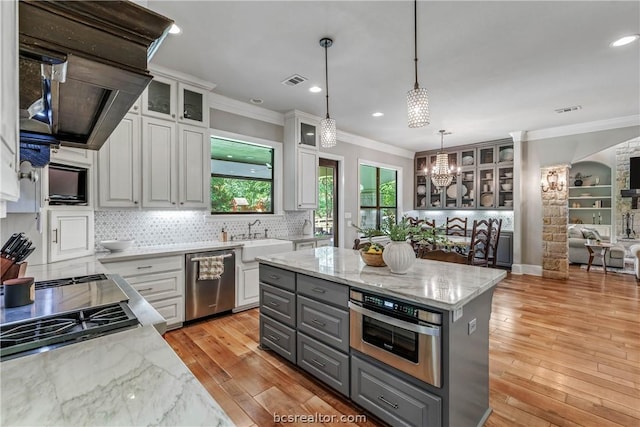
point(174, 249)
point(129, 378)
point(433, 283)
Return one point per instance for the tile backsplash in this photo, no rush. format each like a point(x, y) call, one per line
point(166, 227)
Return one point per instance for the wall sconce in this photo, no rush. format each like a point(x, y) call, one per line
point(553, 182)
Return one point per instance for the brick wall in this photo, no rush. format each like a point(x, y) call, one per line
point(555, 219)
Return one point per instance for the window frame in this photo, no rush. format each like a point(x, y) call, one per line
point(277, 202)
point(399, 188)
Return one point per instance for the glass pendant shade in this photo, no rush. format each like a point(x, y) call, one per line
point(328, 134)
point(418, 108)
point(441, 174)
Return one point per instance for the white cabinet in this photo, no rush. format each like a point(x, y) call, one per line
point(159, 164)
point(170, 98)
point(119, 166)
point(194, 168)
point(9, 141)
point(305, 245)
point(300, 162)
point(160, 280)
point(248, 286)
point(70, 234)
point(70, 155)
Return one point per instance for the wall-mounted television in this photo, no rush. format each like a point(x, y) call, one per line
point(634, 173)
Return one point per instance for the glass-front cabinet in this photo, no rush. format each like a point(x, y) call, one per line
point(159, 99)
point(170, 99)
point(192, 103)
point(484, 179)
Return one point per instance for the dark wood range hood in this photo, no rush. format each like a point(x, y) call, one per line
point(82, 66)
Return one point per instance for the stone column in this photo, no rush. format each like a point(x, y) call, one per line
point(555, 219)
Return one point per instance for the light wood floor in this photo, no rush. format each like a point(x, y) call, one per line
point(562, 353)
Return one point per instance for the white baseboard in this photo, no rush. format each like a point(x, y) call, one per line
point(533, 270)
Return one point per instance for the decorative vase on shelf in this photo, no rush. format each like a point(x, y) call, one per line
point(399, 256)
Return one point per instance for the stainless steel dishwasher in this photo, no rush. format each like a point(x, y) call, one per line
point(206, 297)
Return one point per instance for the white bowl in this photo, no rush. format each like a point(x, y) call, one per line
point(506, 155)
point(508, 202)
point(507, 187)
point(116, 245)
point(508, 174)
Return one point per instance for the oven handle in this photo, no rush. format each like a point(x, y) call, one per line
point(420, 329)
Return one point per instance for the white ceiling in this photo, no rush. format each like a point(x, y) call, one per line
point(490, 67)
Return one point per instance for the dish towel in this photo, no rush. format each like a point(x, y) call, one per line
point(210, 267)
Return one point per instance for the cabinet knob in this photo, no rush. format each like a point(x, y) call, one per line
point(135, 108)
point(173, 203)
point(173, 115)
point(182, 203)
point(135, 202)
point(181, 118)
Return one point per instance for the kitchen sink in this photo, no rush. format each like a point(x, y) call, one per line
point(253, 248)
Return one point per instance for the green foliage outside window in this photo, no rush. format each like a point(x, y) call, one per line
point(257, 194)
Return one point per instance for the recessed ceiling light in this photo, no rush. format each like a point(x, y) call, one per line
point(174, 29)
point(625, 40)
point(256, 101)
point(315, 89)
point(378, 114)
point(229, 156)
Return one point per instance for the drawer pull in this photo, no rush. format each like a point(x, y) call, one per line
point(145, 289)
point(143, 267)
point(319, 363)
point(319, 323)
point(274, 277)
point(319, 290)
point(273, 303)
point(393, 405)
point(274, 338)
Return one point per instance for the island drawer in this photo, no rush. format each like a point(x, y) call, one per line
point(327, 324)
point(278, 338)
point(323, 290)
point(145, 266)
point(391, 398)
point(325, 363)
point(278, 304)
point(278, 277)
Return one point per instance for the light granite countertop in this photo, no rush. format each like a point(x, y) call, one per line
point(301, 238)
point(174, 249)
point(130, 378)
point(433, 283)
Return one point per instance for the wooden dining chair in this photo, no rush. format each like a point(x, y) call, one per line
point(494, 240)
point(446, 256)
point(456, 226)
point(479, 249)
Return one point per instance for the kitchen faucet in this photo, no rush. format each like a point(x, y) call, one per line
point(251, 224)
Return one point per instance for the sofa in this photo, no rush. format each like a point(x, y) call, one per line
point(579, 254)
point(635, 253)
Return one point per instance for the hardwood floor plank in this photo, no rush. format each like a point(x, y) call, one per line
point(561, 353)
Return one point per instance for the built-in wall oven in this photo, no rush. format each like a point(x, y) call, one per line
point(403, 336)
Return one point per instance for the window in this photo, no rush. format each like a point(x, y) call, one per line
point(378, 195)
point(241, 177)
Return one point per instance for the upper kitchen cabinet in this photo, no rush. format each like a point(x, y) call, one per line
point(70, 234)
point(176, 97)
point(9, 142)
point(119, 166)
point(300, 161)
point(175, 166)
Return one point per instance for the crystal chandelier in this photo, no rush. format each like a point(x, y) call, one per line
point(441, 174)
point(417, 100)
point(328, 133)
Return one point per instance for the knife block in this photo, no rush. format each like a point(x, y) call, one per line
point(10, 270)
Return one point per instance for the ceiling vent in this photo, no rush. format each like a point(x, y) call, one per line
point(568, 109)
point(293, 80)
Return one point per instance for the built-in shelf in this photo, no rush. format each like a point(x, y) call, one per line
point(591, 195)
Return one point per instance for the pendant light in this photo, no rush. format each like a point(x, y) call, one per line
point(328, 133)
point(441, 174)
point(417, 100)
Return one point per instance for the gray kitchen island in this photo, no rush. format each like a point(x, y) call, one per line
point(412, 349)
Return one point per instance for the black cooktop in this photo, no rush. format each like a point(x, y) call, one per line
point(48, 332)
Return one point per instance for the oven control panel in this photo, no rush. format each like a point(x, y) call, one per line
point(394, 307)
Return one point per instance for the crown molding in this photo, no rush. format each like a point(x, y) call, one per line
point(230, 105)
point(371, 144)
point(187, 78)
point(600, 125)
